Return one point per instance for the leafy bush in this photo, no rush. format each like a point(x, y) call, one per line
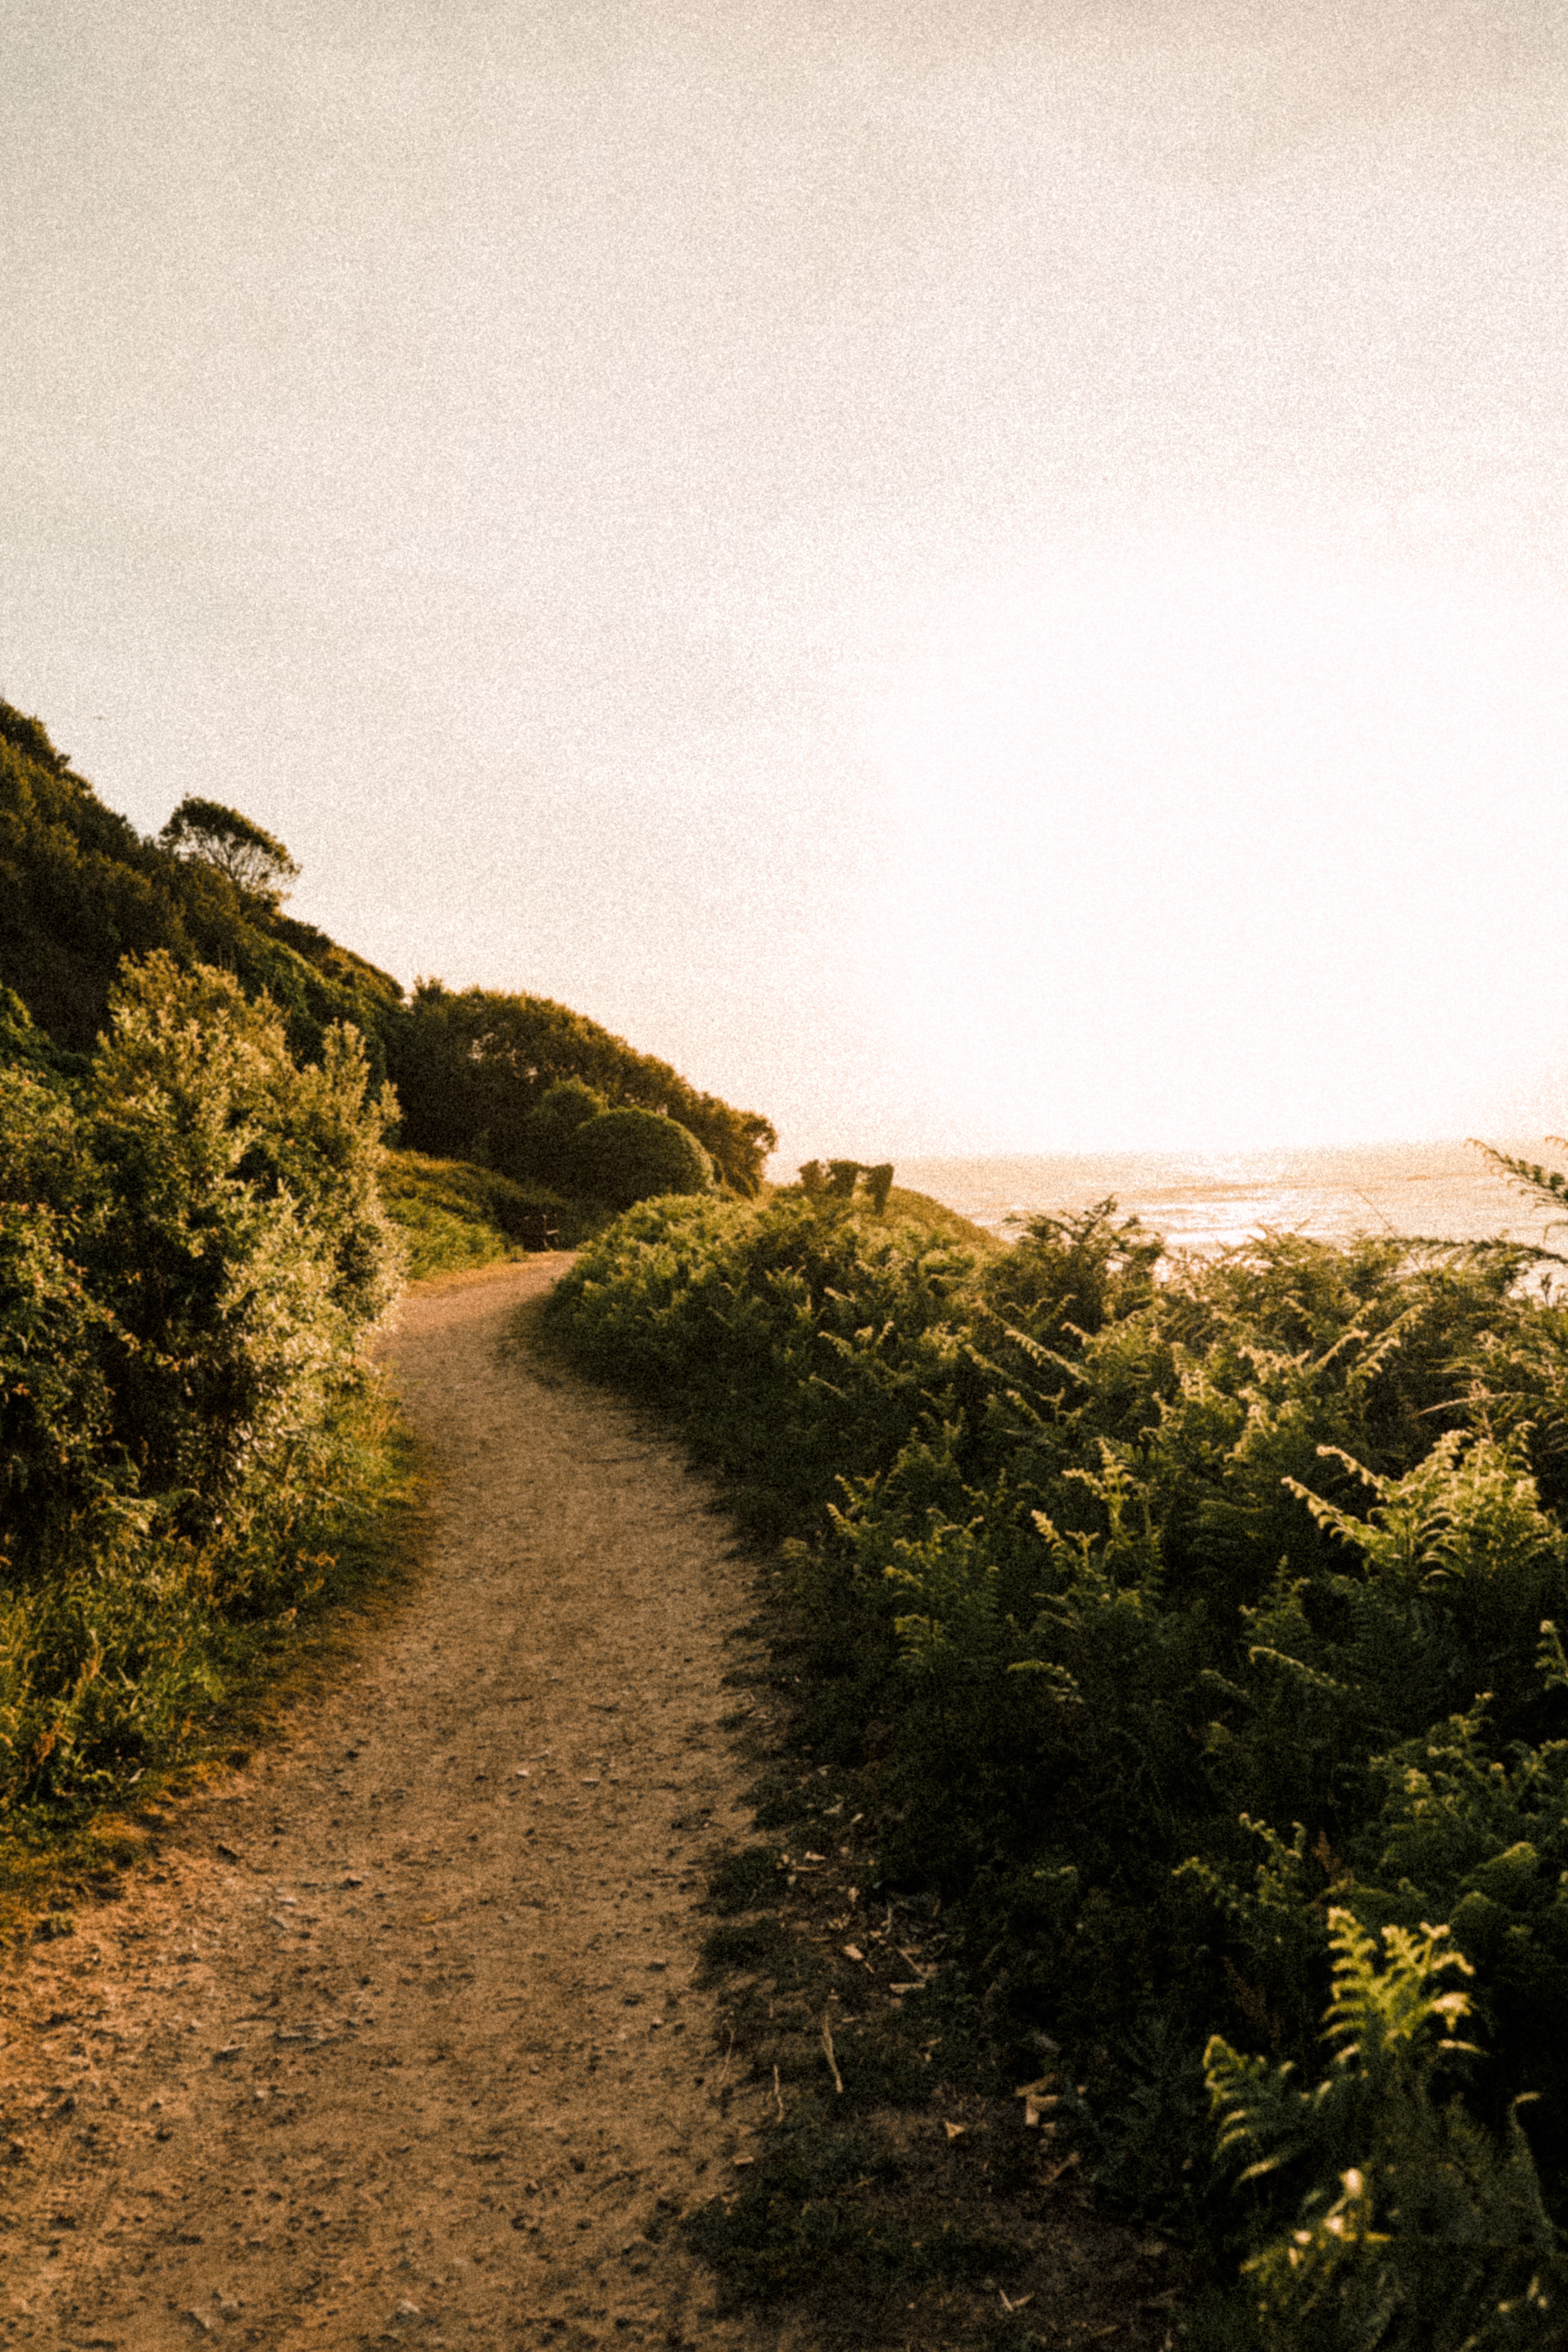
point(1169, 1605)
point(625, 1156)
point(551, 1129)
point(192, 1251)
point(790, 1341)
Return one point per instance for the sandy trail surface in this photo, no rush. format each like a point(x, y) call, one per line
point(397, 2036)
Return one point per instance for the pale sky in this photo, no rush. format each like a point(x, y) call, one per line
point(979, 577)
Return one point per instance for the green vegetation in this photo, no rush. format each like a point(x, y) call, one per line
point(451, 1216)
point(255, 862)
point(199, 1226)
point(934, 1217)
point(192, 1251)
point(625, 1156)
point(1186, 1630)
point(79, 891)
point(840, 1180)
point(552, 1125)
point(472, 1069)
point(874, 1189)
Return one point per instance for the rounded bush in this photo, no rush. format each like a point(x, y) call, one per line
point(543, 1150)
point(624, 1156)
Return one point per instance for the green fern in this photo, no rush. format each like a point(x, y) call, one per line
point(1417, 2232)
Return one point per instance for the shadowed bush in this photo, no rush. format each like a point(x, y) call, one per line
point(622, 1156)
point(450, 1215)
point(1190, 1602)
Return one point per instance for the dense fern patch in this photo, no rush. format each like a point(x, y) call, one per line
point(1191, 1626)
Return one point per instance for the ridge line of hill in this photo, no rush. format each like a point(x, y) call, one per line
point(80, 889)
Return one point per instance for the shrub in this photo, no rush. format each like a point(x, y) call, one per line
point(1188, 1598)
point(477, 1065)
point(192, 1251)
point(240, 1243)
point(625, 1156)
point(549, 1130)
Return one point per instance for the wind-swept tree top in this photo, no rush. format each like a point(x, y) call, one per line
point(253, 860)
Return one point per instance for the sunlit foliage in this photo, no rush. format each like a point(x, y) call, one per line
point(193, 1249)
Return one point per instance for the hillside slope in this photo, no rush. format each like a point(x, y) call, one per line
point(80, 889)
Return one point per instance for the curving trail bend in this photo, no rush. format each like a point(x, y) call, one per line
point(387, 2042)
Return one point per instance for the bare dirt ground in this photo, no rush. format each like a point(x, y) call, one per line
point(396, 2036)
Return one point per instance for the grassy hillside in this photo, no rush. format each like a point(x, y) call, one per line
point(80, 889)
point(936, 1217)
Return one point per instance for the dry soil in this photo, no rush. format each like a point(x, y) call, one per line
point(396, 2037)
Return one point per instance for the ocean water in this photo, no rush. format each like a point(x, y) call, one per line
point(1206, 1201)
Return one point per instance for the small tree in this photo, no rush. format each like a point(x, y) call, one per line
point(242, 1244)
point(253, 860)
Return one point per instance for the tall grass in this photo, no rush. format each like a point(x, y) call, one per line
point(1194, 1622)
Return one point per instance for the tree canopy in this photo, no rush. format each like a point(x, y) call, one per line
point(80, 889)
point(254, 860)
point(471, 1070)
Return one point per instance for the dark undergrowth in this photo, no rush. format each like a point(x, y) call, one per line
point(58, 1855)
point(900, 2195)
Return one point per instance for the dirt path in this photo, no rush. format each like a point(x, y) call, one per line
point(396, 2038)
